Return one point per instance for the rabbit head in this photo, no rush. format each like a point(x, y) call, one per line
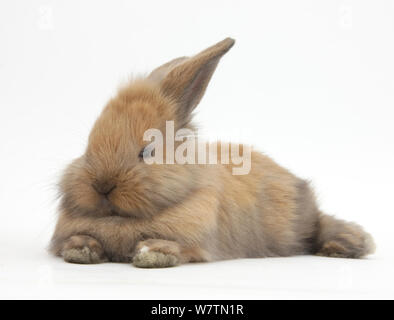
point(111, 178)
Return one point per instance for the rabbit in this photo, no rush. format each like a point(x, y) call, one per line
point(114, 207)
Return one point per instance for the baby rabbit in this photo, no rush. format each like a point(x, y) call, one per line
point(117, 207)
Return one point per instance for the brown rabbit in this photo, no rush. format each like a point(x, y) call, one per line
point(116, 207)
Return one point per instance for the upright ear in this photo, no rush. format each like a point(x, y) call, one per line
point(186, 79)
point(161, 72)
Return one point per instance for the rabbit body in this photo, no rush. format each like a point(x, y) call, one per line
point(115, 207)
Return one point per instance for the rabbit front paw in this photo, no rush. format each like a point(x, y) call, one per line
point(83, 249)
point(154, 259)
point(157, 254)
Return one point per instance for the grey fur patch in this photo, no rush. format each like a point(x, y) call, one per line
point(306, 219)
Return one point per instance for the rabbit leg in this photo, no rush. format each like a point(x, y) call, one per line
point(157, 253)
point(342, 239)
point(83, 249)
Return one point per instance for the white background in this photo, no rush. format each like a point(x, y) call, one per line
point(310, 82)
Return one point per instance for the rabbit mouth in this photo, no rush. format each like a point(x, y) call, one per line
point(118, 213)
point(115, 211)
point(107, 206)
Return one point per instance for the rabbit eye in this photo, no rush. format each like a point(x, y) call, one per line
point(141, 154)
point(145, 152)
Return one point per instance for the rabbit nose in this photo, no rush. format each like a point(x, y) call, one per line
point(104, 188)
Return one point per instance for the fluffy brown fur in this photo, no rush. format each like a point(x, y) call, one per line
point(115, 207)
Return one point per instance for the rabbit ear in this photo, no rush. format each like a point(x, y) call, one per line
point(185, 79)
point(161, 72)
